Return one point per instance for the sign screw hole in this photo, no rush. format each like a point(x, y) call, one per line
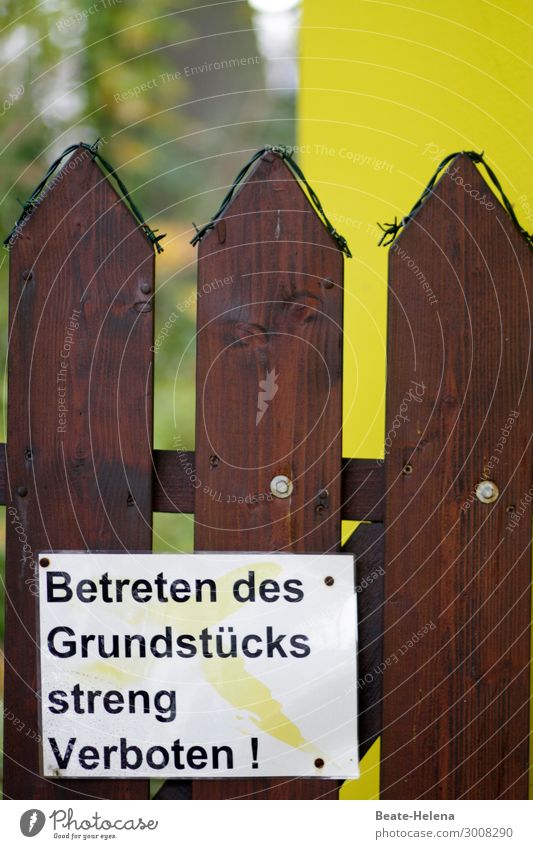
point(213, 461)
point(511, 508)
point(319, 763)
point(407, 469)
point(44, 562)
point(329, 581)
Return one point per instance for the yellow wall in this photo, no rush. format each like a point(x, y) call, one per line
point(387, 89)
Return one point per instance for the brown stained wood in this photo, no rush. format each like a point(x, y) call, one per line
point(362, 485)
point(87, 486)
point(277, 325)
point(363, 490)
point(455, 707)
point(173, 489)
point(366, 543)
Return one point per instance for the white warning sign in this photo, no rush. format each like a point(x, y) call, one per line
point(198, 665)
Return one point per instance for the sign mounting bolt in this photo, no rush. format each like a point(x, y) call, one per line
point(487, 492)
point(281, 486)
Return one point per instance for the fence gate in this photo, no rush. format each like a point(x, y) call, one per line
point(444, 639)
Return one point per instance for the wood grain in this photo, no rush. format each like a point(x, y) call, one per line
point(280, 313)
point(88, 484)
point(362, 485)
point(366, 543)
point(455, 705)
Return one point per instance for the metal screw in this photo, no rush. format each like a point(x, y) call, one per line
point(145, 288)
point(487, 492)
point(281, 486)
point(213, 461)
point(27, 275)
point(28, 454)
point(44, 562)
point(328, 284)
point(22, 491)
point(319, 763)
point(329, 581)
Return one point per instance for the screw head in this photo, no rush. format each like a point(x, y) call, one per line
point(22, 491)
point(145, 288)
point(487, 492)
point(281, 486)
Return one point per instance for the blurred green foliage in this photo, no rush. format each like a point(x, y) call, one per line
point(178, 94)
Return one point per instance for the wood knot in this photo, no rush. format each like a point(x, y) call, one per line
point(251, 335)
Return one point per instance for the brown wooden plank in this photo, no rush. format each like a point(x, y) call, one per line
point(281, 313)
point(362, 485)
point(455, 708)
point(363, 490)
point(173, 489)
point(88, 484)
point(366, 543)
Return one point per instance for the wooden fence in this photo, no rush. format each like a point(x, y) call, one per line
point(444, 636)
